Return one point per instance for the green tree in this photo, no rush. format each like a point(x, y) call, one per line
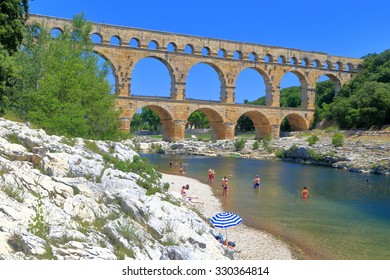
point(199, 119)
point(13, 16)
point(151, 119)
point(62, 88)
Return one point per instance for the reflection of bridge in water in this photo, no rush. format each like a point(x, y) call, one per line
point(179, 53)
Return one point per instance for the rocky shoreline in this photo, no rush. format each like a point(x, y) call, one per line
point(75, 199)
point(365, 153)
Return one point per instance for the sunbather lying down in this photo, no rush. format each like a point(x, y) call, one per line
point(230, 244)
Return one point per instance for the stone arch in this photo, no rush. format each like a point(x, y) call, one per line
point(303, 82)
point(350, 67)
point(153, 45)
point(336, 81)
point(266, 79)
point(171, 47)
point(328, 64)
point(189, 49)
point(297, 122)
point(206, 51)
point(97, 38)
point(169, 129)
point(113, 69)
point(293, 61)
point(268, 58)
point(317, 63)
point(115, 40)
point(305, 61)
point(261, 123)
point(220, 77)
point(56, 32)
point(222, 53)
point(216, 121)
point(134, 43)
point(282, 59)
point(237, 54)
point(253, 56)
point(167, 66)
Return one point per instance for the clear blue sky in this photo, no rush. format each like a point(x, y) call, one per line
point(337, 27)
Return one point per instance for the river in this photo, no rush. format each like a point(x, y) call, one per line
point(347, 215)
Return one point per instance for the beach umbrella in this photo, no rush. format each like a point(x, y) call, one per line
point(225, 220)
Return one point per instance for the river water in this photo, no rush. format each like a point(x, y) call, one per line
point(347, 215)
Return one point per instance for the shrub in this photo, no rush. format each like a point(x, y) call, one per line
point(256, 145)
point(266, 141)
point(37, 225)
point(312, 139)
point(280, 153)
point(338, 139)
point(239, 144)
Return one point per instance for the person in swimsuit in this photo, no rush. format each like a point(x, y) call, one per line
point(225, 182)
point(256, 182)
point(305, 193)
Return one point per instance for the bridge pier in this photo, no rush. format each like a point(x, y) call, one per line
point(275, 131)
point(173, 130)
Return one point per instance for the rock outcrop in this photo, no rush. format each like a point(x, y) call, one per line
point(75, 199)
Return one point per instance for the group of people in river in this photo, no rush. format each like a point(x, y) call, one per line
point(225, 181)
point(182, 166)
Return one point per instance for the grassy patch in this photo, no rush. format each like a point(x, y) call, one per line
point(13, 193)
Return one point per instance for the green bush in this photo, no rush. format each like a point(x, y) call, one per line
point(266, 141)
point(338, 139)
point(256, 145)
point(280, 153)
point(313, 139)
point(239, 144)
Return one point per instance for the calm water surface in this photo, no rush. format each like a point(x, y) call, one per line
point(346, 217)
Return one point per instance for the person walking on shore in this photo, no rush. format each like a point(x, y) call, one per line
point(256, 182)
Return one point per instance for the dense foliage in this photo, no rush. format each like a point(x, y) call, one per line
point(62, 87)
point(365, 101)
point(13, 15)
point(146, 120)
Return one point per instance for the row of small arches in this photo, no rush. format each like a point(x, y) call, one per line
point(222, 53)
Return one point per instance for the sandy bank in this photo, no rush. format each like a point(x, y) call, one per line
point(253, 244)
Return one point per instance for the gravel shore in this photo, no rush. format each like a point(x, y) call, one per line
point(251, 244)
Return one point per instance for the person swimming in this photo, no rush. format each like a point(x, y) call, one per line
point(305, 193)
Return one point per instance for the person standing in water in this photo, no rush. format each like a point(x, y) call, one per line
point(256, 182)
point(305, 193)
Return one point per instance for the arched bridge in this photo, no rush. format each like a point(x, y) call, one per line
point(179, 53)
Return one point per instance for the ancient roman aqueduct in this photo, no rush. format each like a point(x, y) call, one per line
point(179, 53)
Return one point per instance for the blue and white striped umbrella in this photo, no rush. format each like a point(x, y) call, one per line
point(225, 220)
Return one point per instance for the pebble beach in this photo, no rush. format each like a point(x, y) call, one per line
point(251, 244)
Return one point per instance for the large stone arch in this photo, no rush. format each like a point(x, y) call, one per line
point(113, 68)
point(267, 82)
point(336, 81)
point(165, 63)
point(261, 123)
point(297, 122)
point(304, 87)
point(170, 131)
point(219, 73)
point(218, 126)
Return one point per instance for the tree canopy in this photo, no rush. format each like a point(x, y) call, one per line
point(13, 15)
point(62, 88)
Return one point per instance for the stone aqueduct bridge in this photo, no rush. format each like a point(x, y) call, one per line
point(228, 58)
